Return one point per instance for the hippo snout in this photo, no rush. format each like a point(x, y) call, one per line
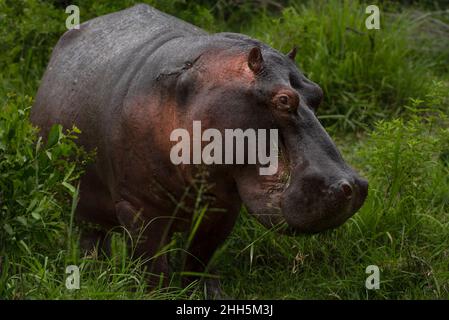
point(318, 201)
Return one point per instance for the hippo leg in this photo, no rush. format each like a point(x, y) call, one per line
point(147, 237)
point(210, 235)
point(94, 240)
point(95, 208)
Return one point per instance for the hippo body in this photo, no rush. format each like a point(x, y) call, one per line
point(129, 78)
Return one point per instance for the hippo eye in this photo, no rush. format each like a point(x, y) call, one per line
point(283, 99)
point(285, 103)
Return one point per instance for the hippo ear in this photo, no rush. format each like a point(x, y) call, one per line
point(292, 53)
point(255, 60)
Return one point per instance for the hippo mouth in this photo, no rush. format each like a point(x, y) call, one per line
point(265, 197)
point(300, 198)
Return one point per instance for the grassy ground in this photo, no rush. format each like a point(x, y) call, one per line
point(386, 105)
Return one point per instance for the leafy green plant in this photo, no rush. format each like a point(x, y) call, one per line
point(36, 179)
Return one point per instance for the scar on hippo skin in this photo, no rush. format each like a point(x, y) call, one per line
point(177, 71)
point(160, 73)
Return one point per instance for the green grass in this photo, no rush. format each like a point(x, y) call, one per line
point(386, 101)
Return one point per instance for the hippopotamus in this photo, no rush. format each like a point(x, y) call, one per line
point(129, 78)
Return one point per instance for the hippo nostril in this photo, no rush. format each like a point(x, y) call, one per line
point(346, 189)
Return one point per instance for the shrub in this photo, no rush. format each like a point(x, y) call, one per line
point(37, 180)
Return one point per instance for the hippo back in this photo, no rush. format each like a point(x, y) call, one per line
point(91, 68)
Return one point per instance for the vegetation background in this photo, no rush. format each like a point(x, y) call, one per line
point(386, 105)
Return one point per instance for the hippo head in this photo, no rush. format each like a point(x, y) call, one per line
point(254, 86)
